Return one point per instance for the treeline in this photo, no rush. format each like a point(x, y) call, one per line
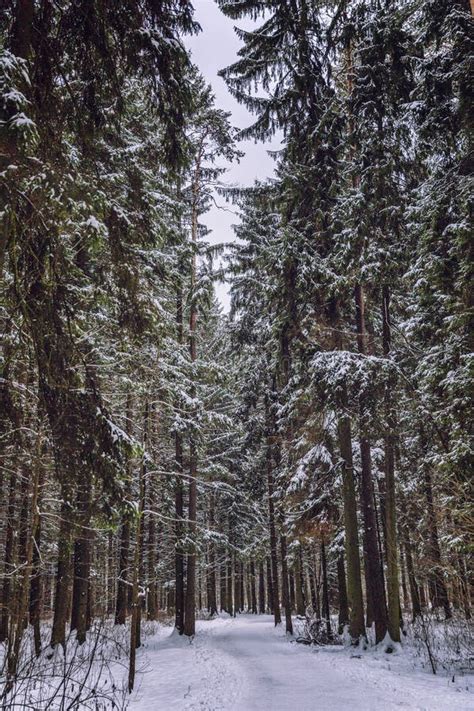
point(115, 397)
point(313, 447)
point(352, 297)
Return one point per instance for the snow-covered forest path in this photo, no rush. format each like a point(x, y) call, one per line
point(247, 665)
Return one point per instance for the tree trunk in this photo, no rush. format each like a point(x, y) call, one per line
point(374, 581)
point(230, 605)
point(253, 592)
point(403, 578)
point(291, 587)
point(152, 591)
point(82, 561)
point(326, 611)
point(437, 586)
point(312, 588)
point(179, 503)
point(23, 593)
point(269, 585)
point(212, 568)
point(343, 601)
point(237, 598)
point(36, 585)
point(351, 533)
point(8, 565)
point(285, 590)
point(393, 583)
point(261, 588)
point(136, 606)
point(63, 576)
point(121, 604)
point(414, 591)
point(299, 583)
point(271, 521)
point(190, 599)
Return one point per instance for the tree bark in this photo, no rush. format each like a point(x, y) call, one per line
point(393, 583)
point(437, 586)
point(63, 576)
point(8, 564)
point(261, 588)
point(269, 585)
point(374, 581)
point(253, 591)
point(285, 590)
point(351, 537)
point(271, 523)
point(179, 502)
point(121, 603)
point(299, 583)
point(237, 598)
point(82, 560)
point(190, 598)
point(135, 622)
point(211, 576)
point(343, 601)
point(414, 590)
point(326, 611)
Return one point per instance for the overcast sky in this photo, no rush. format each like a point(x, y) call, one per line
point(212, 49)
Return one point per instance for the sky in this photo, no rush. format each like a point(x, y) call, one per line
point(213, 49)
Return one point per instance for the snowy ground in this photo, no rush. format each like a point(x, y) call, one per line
point(247, 665)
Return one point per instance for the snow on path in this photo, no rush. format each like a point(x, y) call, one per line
point(247, 665)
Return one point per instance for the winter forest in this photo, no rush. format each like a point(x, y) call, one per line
point(264, 504)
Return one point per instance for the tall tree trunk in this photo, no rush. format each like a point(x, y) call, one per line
point(22, 594)
point(414, 590)
point(437, 586)
point(285, 589)
point(190, 600)
point(242, 589)
point(152, 590)
point(270, 597)
point(212, 581)
point(291, 587)
point(179, 502)
point(351, 533)
point(374, 579)
point(8, 564)
point(82, 560)
point(343, 601)
point(253, 591)
point(135, 622)
point(121, 603)
point(393, 583)
point(465, 587)
point(326, 611)
point(63, 575)
point(223, 587)
point(299, 583)
point(261, 588)
point(123, 587)
point(230, 603)
point(237, 598)
point(36, 584)
point(271, 522)
point(312, 588)
point(141, 582)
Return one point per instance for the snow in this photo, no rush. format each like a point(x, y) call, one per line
point(246, 664)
